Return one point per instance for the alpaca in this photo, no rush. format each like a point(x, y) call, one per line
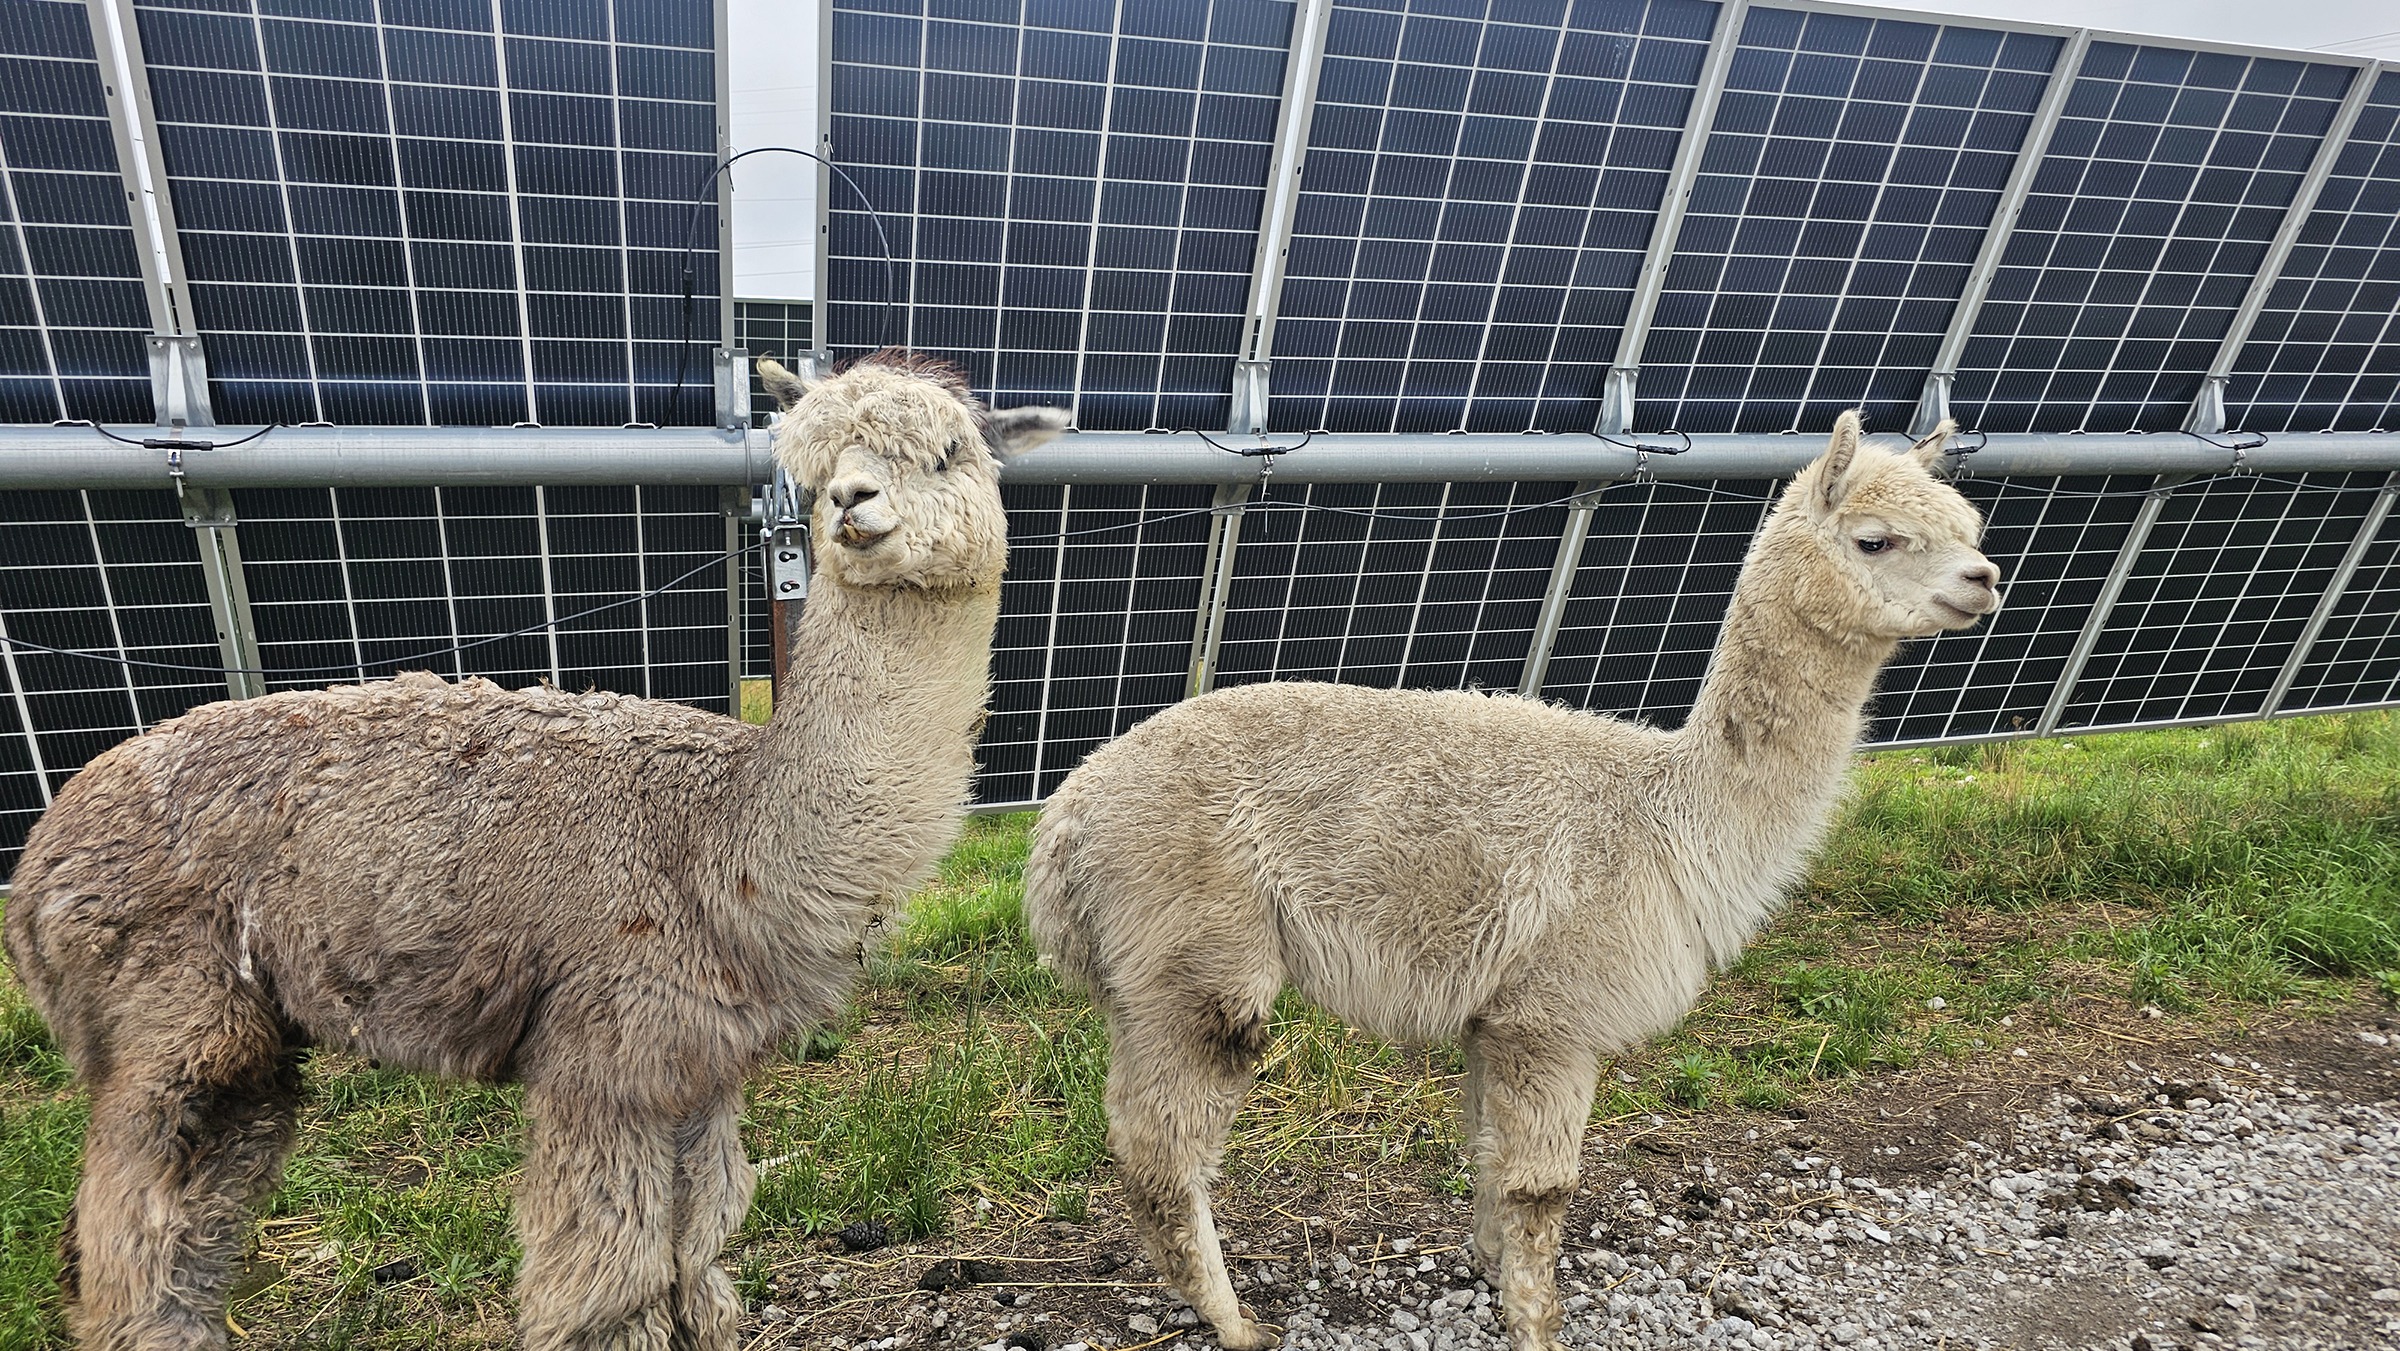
point(1544, 886)
point(625, 905)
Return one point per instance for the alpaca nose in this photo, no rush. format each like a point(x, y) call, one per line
point(1985, 574)
point(849, 492)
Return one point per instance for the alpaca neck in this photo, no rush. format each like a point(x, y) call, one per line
point(1765, 750)
point(862, 771)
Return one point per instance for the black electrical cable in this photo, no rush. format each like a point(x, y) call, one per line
point(691, 247)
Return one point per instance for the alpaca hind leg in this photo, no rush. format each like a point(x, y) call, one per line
point(177, 1153)
point(1538, 1095)
point(595, 1214)
point(1475, 1142)
point(1172, 1097)
point(713, 1181)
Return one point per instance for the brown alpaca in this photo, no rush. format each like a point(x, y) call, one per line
point(1542, 886)
point(624, 905)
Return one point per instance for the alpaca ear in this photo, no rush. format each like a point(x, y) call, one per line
point(1013, 431)
point(780, 382)
point(1833, 468)
point(1929, 450)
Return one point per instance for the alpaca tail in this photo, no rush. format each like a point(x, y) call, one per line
point(1053, 911)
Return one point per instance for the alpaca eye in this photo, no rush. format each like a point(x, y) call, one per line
point(1873, 546)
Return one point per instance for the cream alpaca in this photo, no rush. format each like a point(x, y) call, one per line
point(1544, 886)
point(623, 904)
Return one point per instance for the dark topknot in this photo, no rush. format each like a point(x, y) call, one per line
point(928, 368)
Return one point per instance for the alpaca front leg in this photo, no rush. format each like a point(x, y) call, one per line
point(1538, 1098)
point(1169, 1107)
point(594, 1214)
point(713, 1182)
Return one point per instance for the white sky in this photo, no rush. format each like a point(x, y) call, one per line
point(775, 95)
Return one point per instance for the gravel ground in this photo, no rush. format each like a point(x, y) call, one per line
point(2220, 1203)
point(2226, 1217)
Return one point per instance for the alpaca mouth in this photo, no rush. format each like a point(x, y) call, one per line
point(858, 537)
point(1960, 615)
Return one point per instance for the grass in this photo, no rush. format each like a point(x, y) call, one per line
point(1966, 896)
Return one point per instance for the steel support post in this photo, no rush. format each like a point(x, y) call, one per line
point(1580, 505)
point(1248, 414)
point(820, 340)
point(734, 504)
point(1616, 406)
point(209, 512)
point(2106, 603)
point(2368, 529)
point(24, 710)
point(1216, 580)
point(2207, 414)
point(1933, 403)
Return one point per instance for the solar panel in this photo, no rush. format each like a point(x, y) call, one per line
point(2157, 194)
point(73, 314)
point(1418, 585)
point(1072, 192)
point(2222, 588)
point(1845, 189)
point(1095, 625)
point(2356, 659)
point(439, 211)
point(344, 582)
point(109, 572)
point(1479, 194)
point(1649, 592)
point(2325, 352)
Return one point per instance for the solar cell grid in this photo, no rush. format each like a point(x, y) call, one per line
point(2325, 352)
point(1480, 190)
point(1649, 593)
point(2054, 540)
point(111, 572)
point(1095, 625)
point(1072, 192)
point(2356, 659)
point(453, 213)
point(2222, 589)
point(73, 313)
point(2165, 179)
point(1845, 189)
point(1424, 586)
point(355, 578)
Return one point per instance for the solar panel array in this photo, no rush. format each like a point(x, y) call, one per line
point(440, 212)
point(73, 314)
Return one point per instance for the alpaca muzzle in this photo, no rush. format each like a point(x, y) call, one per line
point(857, 535)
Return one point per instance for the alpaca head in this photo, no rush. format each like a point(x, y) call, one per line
point(1896, 545)
point(904, 465)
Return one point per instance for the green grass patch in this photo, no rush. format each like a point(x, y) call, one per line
point(1964, 892)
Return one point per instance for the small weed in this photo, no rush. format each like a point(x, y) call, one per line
point(1690, 1079)
point(2387, 983)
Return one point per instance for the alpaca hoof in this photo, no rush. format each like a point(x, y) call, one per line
point(1247, 1336)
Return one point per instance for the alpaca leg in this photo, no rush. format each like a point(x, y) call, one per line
point(1538, 1095)
point(595, 1215)
point(1475, 1142)
point(713, 1181)
point(175, 1157)
point(1170, 1102)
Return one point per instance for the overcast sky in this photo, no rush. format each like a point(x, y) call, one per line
point(775, 98)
